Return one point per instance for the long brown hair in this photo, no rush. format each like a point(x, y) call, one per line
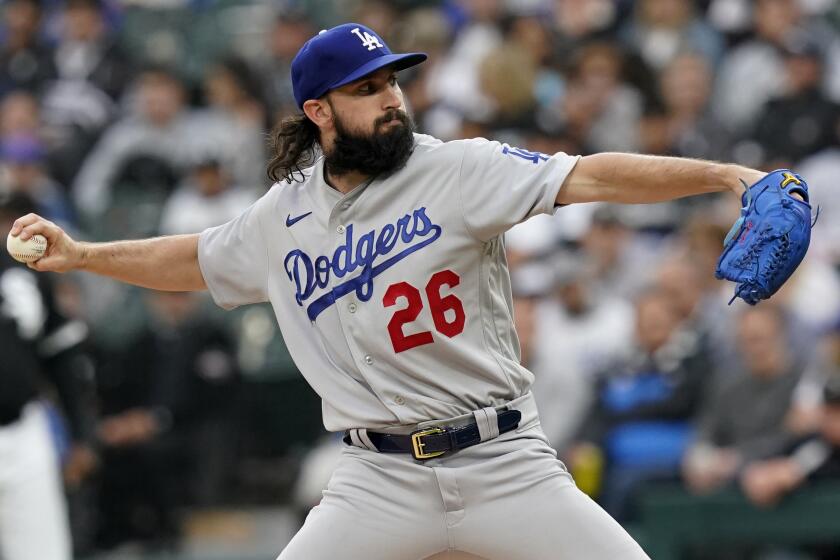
point(293, 144)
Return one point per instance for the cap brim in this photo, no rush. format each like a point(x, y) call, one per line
point(398, 61)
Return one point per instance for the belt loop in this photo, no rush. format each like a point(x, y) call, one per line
point(360, 438)
point(487, 422)
point(493, 419)
point(363, 435)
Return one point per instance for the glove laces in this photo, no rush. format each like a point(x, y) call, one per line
point(777, 257)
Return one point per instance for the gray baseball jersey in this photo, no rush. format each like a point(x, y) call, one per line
point(394, 299)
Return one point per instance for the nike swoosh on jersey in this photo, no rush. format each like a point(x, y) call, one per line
point(292, 221)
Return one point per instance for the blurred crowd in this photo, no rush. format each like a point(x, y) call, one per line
point(132, 118)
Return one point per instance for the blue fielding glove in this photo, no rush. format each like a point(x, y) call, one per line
point(770, 239)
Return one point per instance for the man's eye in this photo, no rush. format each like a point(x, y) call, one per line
point(392, 80)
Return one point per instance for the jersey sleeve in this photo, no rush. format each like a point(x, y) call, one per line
point(501, 186)
point(233, 258)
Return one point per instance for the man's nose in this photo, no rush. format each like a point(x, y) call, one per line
point(392, 99)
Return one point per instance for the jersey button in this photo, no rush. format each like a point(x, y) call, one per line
point(399, 400)
point(345, 206)
point(340, 229)
point(352, 308)
point(369, 359)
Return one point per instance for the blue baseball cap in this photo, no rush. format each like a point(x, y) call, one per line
point(338, 56)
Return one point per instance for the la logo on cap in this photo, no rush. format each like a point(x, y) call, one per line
point(368, 40)
point(333, 59)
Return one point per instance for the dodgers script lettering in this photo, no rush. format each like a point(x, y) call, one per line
point(415, 230)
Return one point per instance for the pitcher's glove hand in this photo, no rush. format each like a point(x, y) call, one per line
point(769, 240)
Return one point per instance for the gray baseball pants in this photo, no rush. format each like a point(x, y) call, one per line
point(508, 498)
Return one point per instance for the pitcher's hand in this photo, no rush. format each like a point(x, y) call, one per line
point(63, 253)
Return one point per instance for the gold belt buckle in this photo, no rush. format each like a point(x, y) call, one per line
point(417, 445)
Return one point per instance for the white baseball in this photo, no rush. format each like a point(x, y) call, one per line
point(26, 251)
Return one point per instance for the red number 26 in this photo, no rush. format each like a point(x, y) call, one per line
point(439, 305)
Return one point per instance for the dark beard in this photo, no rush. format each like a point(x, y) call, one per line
point(381, 152)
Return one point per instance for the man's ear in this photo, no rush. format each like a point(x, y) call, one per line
point(319, 112)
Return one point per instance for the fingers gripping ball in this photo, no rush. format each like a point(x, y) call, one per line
point(26, 251)
point(770, 238)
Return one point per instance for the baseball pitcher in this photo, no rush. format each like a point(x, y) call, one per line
point(381, 251)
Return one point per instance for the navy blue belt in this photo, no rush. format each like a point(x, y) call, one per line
point(435, 441)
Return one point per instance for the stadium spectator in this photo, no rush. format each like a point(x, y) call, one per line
point(804, 415)
point(457, 86)
point(759, 62)
point(531, 32)
point(162, 127)
point(43, 353)
point(643, 405)
point(589, 332)
point(690, 278)
point(507, 77)
point(289, 33)
point(579, 21)
point(166, 427)
point(25, 60)
point(207, 198)
point(822, 168)
point(91, 73)
point(801, 120)
point(377, 14)
point(679, 278)
point(662, 29)
point(599, 108)
point(19, 114)
point(622, 261)
point(756, 62)
point(427, 30)
point(816, 458)
point(22, 165)
point(86, 51)
point(727, 438)
point(233, 121)
point(685, 86)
